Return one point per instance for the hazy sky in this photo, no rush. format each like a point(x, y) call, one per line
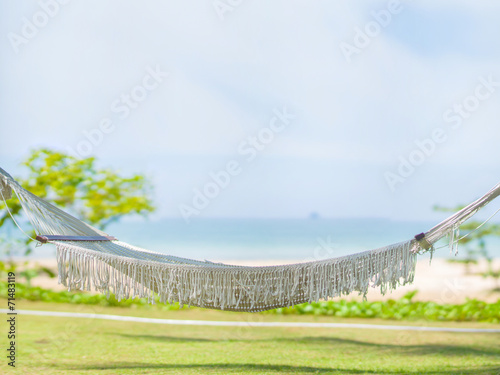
point(384, 109)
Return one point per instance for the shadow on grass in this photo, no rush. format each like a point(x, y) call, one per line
point(261, 368)
point(417, 350)
point(413, 350)
point(165, 339)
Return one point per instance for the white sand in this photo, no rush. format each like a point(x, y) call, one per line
point(440, 282)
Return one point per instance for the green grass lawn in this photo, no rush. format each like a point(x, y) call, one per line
point(49, 345)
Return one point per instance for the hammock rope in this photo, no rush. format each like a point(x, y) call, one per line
point(89, 259)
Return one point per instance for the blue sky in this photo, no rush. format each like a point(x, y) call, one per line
point(355, 119)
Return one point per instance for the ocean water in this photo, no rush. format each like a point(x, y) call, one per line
point(267, 239)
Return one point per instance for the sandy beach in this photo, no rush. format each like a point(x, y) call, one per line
point(441, 281)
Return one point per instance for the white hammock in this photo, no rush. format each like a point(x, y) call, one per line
point(89, 259)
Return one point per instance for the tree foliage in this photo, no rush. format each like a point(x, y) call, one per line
point(469, 228)
point(476, 233)
point(475, 243)
point(96, 196)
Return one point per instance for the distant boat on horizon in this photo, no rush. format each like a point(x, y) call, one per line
point(314, 216)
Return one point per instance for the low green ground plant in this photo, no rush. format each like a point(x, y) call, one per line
point(405, 308)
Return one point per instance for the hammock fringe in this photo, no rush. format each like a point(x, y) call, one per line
point(235, 288)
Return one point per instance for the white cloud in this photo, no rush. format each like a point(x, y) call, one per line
point(226, 78)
